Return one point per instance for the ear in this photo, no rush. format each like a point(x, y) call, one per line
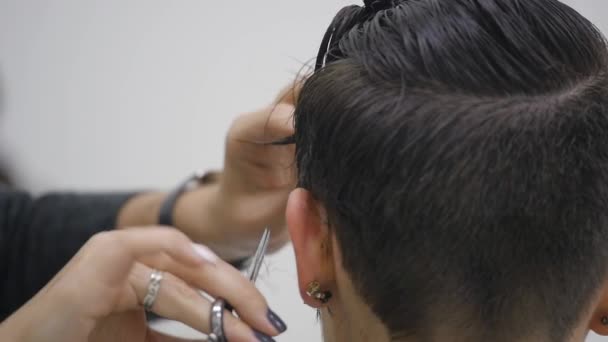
point(599, 320)
point(307, 223)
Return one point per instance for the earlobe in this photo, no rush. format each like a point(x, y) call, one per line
point(599, 319)
point(313, 290)
point(599, 324)
point(309, 234)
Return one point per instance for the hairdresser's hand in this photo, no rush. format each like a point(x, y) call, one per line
point(230, 214)
point(257, 179)
point(98, 294)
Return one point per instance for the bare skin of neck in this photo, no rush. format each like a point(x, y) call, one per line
point(347, 318)
point(352, 322)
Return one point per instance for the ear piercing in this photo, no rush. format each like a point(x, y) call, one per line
point(314, 290)
point(604, 320)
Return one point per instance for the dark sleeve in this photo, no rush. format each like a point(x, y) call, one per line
point(38, 236)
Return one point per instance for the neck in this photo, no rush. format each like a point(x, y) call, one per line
point(351, 321)
point(347, 318)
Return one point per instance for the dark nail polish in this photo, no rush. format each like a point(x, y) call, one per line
point(263, 337)
point(276, 321)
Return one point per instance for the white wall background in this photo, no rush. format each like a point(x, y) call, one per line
point(129, 94)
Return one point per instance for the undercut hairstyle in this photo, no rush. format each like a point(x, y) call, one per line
point(460, 148)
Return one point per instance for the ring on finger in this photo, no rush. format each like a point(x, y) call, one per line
point(217, 321)
point(153, 287)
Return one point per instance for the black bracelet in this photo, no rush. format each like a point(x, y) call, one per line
point(165, 215)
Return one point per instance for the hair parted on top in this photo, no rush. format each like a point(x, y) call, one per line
point(460, 148)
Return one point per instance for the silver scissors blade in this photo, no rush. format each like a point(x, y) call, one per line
point(258, 257)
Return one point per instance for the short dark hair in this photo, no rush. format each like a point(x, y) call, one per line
point(460, 148)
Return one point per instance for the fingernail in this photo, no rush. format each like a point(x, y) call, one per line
point(276, 321)
point(263, 337)
point(205, 253)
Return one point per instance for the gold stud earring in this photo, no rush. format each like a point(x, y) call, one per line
point(314, 290)
point(604, 320)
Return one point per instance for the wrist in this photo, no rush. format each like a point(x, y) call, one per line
point(195, 213)
point(141, 210)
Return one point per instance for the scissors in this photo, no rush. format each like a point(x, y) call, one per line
point(217, 309)
point(258, 257)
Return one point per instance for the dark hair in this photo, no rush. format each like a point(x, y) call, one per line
point(460, 148)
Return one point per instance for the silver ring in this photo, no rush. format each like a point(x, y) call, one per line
point(153, 287)
point(217, 321)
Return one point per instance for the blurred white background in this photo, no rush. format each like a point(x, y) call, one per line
point(136, 94)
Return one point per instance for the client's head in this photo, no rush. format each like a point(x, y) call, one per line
point(452, 162)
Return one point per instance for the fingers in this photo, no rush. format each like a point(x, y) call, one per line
point(280, 120)
point(289, 94)
point(284, 107)
point(178, 301)
point(123, 247)
point(265, 125)
point(228, 283)
point(140, 241)
point(223, 280)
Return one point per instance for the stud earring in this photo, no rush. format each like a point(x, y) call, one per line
point(314, 290)
point(604, 320)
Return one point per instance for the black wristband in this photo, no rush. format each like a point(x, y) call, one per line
point(165, 214)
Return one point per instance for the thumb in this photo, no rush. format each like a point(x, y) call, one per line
point(290, 93)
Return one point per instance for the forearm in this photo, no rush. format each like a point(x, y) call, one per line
point(196, 213)
point(22, 323)
point(140, 210)
point(203, 214)
point(38, 236)
point(44, 318)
